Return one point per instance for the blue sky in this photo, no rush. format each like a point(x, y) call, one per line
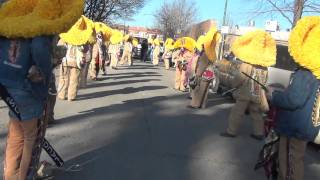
point(238, 11)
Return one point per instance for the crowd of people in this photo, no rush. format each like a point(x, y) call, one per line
point(33, 41)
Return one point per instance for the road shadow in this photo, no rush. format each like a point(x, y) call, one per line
point(115, 83)
point(127, 90)
point(156, 143)
point(132, 73)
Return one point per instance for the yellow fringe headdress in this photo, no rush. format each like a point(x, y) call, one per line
point(256, 48)
point(150, 41)
point(210, 42)
point(31, 18)
point(187, 43)
point(200, 42)
point(135, 42)
point(169, 44)
point(116, 37)
point(126, 37)
point(104, 29)
point(304, 44)
point(81, 33)
point(156, 42)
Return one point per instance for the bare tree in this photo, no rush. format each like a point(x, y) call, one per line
point(176, 17)
point(110, 10)
point(291, 10)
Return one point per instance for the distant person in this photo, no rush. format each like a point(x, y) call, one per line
point(144, 50)
point(156, 52)
point(114, 50)
point(99, 57)
point(127, 52)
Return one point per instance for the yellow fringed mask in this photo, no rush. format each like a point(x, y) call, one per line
point(169, 44)
point(116, 37)
point(31, 18)
point(304, 44)
point(200, 42)
point(210, 42)
point(156, 42)
point(104, 29)
point(81, 33)
point(187, 43)
point(256, 48)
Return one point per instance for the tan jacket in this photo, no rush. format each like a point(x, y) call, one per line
point(156, 51)
point(74, 57)
point(249, 90)
point(127, 47)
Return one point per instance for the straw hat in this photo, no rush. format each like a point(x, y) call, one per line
point(210, 42)
point(187, 43)
point(31, 18)
point(81, 33)
point(104, 29)
point(256, 48)
point(304, 44)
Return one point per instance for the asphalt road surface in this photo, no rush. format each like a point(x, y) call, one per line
point(133, 126)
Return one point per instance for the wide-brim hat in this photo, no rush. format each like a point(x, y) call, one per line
point(304, 44)
point(200, 42)
point(82, 32)
point(187, 43)
point(117, 37)
point(104, 29)
point(256, 48)
point(210, 42)
point(31, 18)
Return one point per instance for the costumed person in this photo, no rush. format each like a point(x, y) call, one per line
point(257, 51)
point(156, 52)
point(298, 105)
point(204, 73)
point(76, 39)
point(114, 49)
point(86, 65)
point(99, 55)
point(59, 52)
point(167, 55)
point(187, 46)
point(127, 51)
point(175, 55)
point(104, 34)
point(26, 36)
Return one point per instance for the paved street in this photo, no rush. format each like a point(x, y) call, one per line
point(134, 126)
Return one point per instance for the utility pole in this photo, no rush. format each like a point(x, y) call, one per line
point(224, 23)
point(225, 13)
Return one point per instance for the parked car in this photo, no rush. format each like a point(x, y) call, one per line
point(279, 74)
